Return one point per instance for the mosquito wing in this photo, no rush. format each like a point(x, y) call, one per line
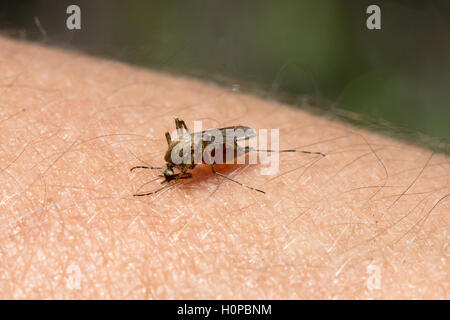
point(234, 133)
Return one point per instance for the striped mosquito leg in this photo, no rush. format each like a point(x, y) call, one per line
point(158, 190)
point(235, 181)
point(145, 167)
point(287, 150)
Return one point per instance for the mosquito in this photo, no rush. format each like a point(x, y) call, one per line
point(172, 172)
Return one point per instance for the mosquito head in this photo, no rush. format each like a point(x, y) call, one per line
point(167, 172)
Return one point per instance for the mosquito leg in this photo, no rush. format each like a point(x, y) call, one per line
point(145, 167)
point(153, 192)
point(181, 127)
point(168, 138)
point(247, 149)
point(235, 181)
point(179, 176)
point(180, 124)
point(158, 190)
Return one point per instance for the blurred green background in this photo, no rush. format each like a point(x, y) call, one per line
point(320, 48)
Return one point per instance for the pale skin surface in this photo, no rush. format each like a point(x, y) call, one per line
point(370, 220)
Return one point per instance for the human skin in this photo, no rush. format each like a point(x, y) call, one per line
point(369, 220)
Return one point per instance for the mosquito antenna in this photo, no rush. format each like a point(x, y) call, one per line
point(287, 150)
point(142, 167)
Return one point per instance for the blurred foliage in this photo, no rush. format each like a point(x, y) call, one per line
point(320, 48)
